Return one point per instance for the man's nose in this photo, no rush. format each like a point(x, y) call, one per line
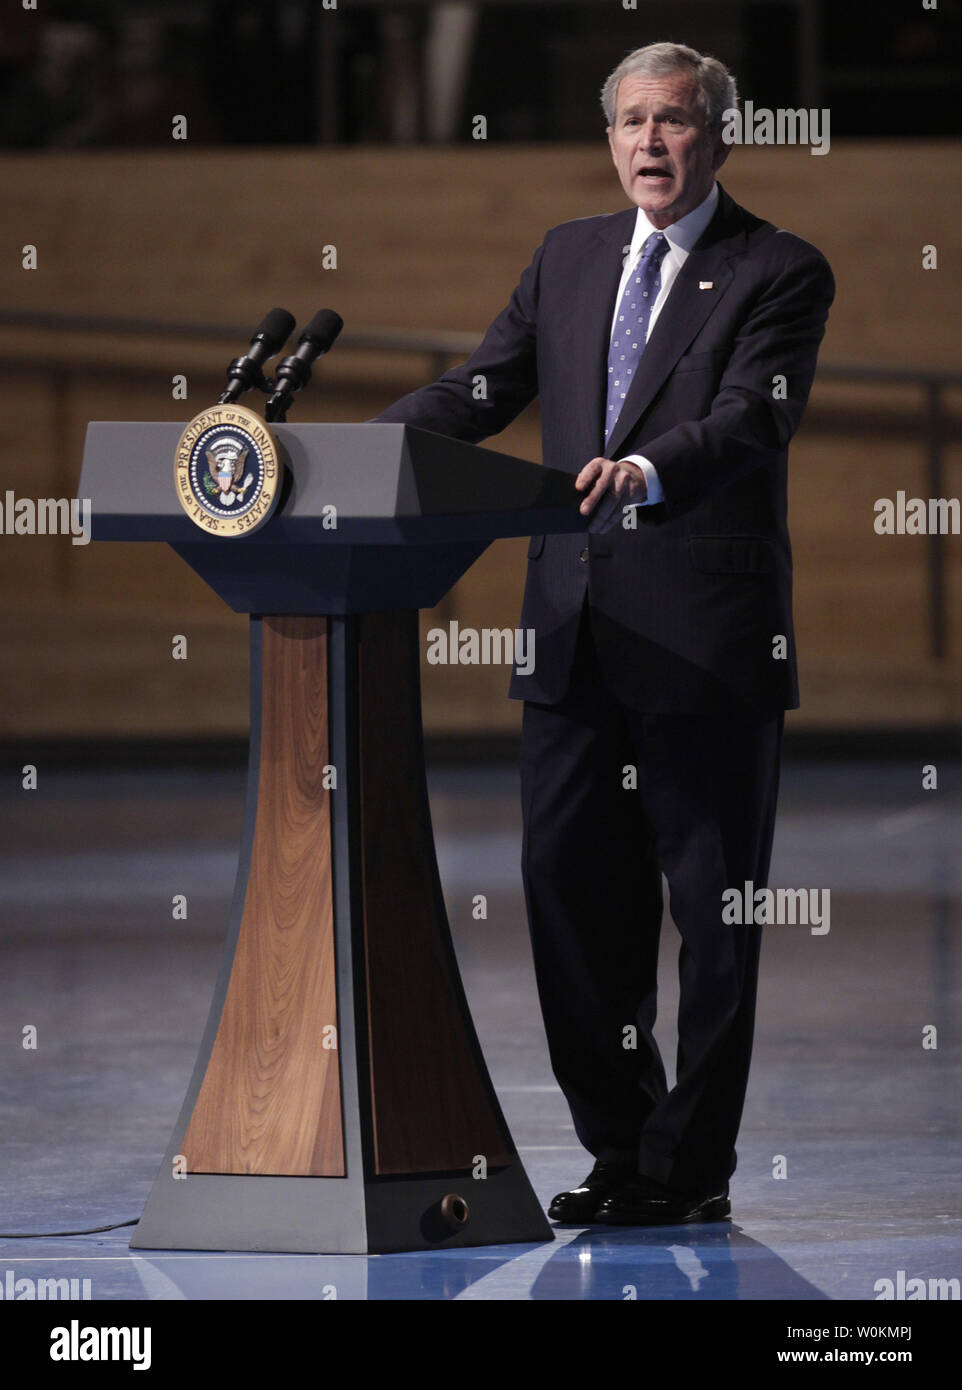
point(649, 136)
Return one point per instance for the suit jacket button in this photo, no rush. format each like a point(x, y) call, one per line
point(583, 557)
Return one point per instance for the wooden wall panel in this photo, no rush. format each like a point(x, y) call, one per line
point(214, 234)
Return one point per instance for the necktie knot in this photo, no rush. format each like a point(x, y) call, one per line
point(655, 247)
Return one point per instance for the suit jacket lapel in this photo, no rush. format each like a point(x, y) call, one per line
point(683, 315)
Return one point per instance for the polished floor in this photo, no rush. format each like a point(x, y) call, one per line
point(849, 1157)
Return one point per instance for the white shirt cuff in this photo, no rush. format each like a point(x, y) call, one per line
point(655, 493)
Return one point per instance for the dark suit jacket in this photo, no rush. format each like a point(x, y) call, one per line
point(687, 608)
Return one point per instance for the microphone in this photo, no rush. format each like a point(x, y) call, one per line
point(270, 335)
point(295, 371)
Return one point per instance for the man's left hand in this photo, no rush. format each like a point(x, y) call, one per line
point(613, 483)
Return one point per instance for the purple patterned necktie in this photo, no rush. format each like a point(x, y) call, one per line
point(631, 325)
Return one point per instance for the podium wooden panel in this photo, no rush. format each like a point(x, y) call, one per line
point(270, 1101)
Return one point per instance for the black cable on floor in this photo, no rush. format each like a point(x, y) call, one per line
point(48, 1235)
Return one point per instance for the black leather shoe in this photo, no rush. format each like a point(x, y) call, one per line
point(644, 1202)
point(580, 1204)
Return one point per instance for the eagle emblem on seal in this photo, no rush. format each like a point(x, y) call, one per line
point(225, 479)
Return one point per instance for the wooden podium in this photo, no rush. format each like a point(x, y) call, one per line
point(340, 1101)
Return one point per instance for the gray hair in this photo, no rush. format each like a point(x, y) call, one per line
point(716, 85)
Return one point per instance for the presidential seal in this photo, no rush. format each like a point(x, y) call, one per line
point(227, 471)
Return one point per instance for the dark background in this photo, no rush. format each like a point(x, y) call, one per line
point(109, 72)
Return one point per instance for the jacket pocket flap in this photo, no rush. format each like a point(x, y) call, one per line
point(697, 361)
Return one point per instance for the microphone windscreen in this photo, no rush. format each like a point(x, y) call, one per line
point(274, 329)
point(323, 329)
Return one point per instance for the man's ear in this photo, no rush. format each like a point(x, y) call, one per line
point(611, 143)
point(720, 153)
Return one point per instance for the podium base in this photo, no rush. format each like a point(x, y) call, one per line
point(328, 1216)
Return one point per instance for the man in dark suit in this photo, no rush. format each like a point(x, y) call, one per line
point(673, 346)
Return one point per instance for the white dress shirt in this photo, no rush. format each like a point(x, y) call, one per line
point(681, 237)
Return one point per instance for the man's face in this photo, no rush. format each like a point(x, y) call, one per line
point(665, 156)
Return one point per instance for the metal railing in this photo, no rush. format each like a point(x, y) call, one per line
point(441, 347)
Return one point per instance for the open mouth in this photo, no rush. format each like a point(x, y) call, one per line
point(654, 174)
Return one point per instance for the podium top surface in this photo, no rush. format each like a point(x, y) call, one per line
point(377, 483)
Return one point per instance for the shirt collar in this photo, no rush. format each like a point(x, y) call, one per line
point(681, 235)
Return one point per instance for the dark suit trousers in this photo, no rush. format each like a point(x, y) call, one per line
point(593, 854)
